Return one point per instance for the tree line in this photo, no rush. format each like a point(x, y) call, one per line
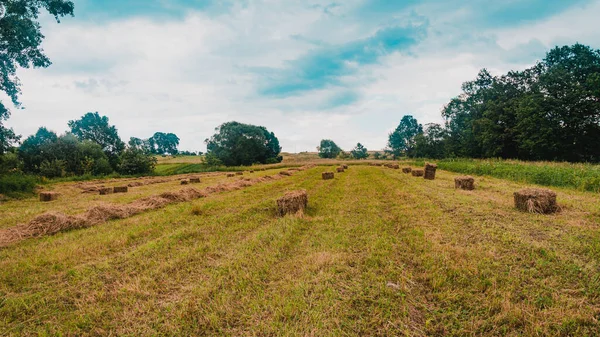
point(550, 111)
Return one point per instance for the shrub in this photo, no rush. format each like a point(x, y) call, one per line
point(17, 184)
point(53, 169)
point(134, 161)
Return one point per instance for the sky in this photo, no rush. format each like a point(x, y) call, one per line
point(307, 70)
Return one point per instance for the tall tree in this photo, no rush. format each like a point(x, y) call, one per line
point(328, 149)
point(164, 143)
point(243, 144)
point(96, 128)
point(359, 152)
point(20, 46)
point(402, 140)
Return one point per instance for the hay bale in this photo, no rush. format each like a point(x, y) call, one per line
point(120, 189)
point(345, 166)
point(395, 166)
point(251, 171)
point(48, 196)
point(327, 175)
point(430, 171)
point(292, 202)
point(464, 183)
point(340, 169)
point(536, 200)
point(417, 173)
point(106, 190)
point(240, 173)
point(229, 175)
point(406, 169)
point(184, 181)
point(285, 173)
point(194, 180)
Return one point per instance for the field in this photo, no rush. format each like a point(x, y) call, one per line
point(378, 252)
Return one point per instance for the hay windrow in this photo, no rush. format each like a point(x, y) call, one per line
point(53, 222)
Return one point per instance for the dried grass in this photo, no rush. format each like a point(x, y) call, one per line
point(430, 171)
point(464, 183)
point(417, 173)
point(340, 169)
point(536, 200)
point(292, 202)
point(406, 169)
point(48, 196)
point(195, 180)
point(327, 175)
point(285, 173)
point(120, 189)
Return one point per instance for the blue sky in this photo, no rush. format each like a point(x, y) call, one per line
point(307, 70)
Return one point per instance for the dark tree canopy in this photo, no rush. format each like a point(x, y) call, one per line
point(96, 128)
point(20, 40)
point(402, 140)
point(328, 149)
point(359, 152)
point(243, 144)
point(164, 143)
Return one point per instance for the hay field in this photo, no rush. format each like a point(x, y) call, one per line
point(377, 252)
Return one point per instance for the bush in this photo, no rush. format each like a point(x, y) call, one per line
point(101, 166)
point(9, 162)
point(16, 185)
point(53, 169)
point(275, 160)
point(211, 160)
point(134, 162)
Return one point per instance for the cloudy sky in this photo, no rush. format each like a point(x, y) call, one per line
point(346, 70)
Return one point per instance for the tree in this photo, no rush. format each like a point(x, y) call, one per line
point(402, 140)
point(164, 143)
point(328, 149)
point(243, 144)
point(96, 128)
point(20, 46)
point(140, 144)
point(30, 151)
point(431, 143)
point(359, 152)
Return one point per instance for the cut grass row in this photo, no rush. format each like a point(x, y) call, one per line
point(377, 253)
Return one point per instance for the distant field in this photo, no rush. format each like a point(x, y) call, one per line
point(377, 253)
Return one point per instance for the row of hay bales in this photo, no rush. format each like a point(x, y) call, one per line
point(532, 200)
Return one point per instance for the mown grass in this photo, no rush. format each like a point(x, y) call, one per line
point(377, 253)
point(584, 177)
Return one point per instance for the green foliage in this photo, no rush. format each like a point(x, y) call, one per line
point(9, 162)
point(135, 162)
point(328, 149)
point(359, 152)
point(164, 143)
point(237, 144)
point(550, 111)
point(17, 185)
point(140, 144)
point(584, 177)
point(53, 169)
point(344, 155)
point(402, 140)
point(211, 160)
point(377, 155)
point(431, 143)
point(96, 128)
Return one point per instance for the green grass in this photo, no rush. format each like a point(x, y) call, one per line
point(378, 252)
point(584, 177)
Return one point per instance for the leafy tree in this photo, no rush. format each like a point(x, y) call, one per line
point(140, 144)
point(30, 151)
point(164, 143)
point(243, 144)
point(431, 143)
point(20, 46)
point(135, 161)
point(402, 140)
point(377, 155)
point(328, 149)
point(359, 152)
point(96, 128)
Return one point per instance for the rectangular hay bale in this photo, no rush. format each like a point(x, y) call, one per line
point(406, 169)
point(120, 189)
point(327, 175)
point(464, 183)
point(106, 190)
point(195, 180)
point(340, 169)
point(536, 200)
point(430, 171)
point(48, 196)
point(417, 173)
point(239, 173)
point(292, 202)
